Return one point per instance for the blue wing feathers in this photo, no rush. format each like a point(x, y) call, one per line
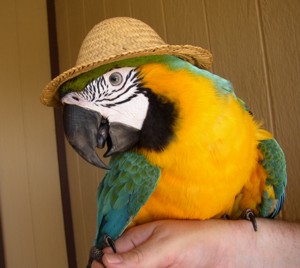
point(275, 166)
point(124, 190)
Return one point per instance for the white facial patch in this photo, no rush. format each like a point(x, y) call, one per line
point(115, 95)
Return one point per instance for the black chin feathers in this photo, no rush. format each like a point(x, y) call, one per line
point(158, 128)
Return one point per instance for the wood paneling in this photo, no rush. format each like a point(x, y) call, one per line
point(77, 26)
point(186, 23)
point(94, 11)
point(63, 33)
point(31, 211)
point(281, 28)
point(238, 55)
point(117, 8)
point(255, 44)
point(154, 15)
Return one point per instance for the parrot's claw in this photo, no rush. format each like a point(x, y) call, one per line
point(248, 215)
point(110, 243)
point(95, 254)
point(226, 217)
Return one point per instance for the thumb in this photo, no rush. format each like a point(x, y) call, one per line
point(132, 259)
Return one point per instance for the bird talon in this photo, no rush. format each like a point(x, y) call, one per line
point(110, 242)
point(95, 254)
point(225, 217)
point(249, 215)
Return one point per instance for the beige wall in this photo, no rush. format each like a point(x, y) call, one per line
point(255, 44)
point(31, 210)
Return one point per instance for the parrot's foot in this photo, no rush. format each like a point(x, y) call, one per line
point(225, 217)
point(248, 215)
point(95, 254)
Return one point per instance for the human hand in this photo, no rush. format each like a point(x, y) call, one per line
point(172, 243)
point(210, 243)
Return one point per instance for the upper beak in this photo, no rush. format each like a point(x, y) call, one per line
point(85, 131)
point(81, 128)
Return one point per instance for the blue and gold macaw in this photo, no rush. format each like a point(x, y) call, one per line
point(182, 145)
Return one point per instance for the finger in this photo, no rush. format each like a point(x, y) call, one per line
point(96, 264)
point(134, 236)
point(132, 259)
point(147, 254)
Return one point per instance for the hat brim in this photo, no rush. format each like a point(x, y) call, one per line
point(195, 55)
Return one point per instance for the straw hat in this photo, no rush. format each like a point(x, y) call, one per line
point(121, 38)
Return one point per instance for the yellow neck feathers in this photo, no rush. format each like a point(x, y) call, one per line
point(213, 150)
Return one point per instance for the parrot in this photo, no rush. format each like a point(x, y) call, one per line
point(181, 144)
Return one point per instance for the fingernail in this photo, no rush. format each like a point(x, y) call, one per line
point(113, 258)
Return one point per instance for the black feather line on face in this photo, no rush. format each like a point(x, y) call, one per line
point(158, 128)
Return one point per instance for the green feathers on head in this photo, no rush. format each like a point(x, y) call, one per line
point(78, 83)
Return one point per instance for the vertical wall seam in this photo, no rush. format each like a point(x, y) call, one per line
point(60, 142)
point(82, 211)
point(84, 17)
point(25, 139)
point(265, 65)
point(68, 34)
point(80, 180)
point(130, 8)
point(207, 28)
point(104, 9)
point(2, 252)
point(165, 37)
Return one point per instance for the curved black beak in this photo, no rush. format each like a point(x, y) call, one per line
point(82, 127)
point(86, 129)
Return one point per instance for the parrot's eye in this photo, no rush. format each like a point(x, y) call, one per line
point(115, 79)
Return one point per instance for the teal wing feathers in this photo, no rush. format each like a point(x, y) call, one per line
point(125, 188)
point(273, 161)
point(275, 166)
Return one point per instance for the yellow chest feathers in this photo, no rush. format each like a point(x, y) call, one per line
point(211, 155)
